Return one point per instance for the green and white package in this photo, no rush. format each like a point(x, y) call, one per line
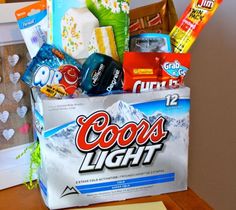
point(72, 23)
point(113, 13)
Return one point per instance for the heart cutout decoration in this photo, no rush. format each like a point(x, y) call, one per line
point(24, 129)
point(4, 116)
point(8, 134)
point(21, 111)
point(18, 95)
point(13, 60)
point(2, 98)
point(14, 77)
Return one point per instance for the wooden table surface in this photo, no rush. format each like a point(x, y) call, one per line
point(20, 198)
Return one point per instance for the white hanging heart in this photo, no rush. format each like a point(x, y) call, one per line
point(13, 60)
point(14, 77)
point(2, 98)
point(21, 111)
point(8, 134)
point(4, 116)
point(18, 95)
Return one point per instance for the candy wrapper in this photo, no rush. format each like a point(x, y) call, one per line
point(152, 42)
point(55, 73)
point(148, 71)
point(160, 17)
point(33, 23)
point(191, 24)
point(101, 74)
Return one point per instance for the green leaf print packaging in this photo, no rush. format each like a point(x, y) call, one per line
point(113, 13)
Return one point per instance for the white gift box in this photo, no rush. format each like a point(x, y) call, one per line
point(115, 147)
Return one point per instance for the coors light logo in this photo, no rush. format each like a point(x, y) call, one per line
point(207, 4)
point(133, 143)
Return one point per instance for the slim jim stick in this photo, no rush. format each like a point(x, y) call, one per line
point(191, 24)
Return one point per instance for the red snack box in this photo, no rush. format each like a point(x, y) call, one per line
point(149, 71)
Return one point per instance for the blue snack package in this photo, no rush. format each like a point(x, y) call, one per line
point(54, 72)
point(151, 42)
point(101, 74)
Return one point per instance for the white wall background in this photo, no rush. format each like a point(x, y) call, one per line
point(212, 170)
point(9, 31)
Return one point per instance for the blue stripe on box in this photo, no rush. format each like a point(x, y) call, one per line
point(43, 188)
point(53, 131)
point(126, 181)
point(129, 183)
point(38, 116)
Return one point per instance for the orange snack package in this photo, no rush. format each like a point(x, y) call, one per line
point(191, 24)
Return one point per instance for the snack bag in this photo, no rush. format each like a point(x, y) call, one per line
point(101, 74)
point(113, 13)
point(160, 17)
point(191, 24)
point(55, 73)
point(148, 71)
point(33, 23)
point(152, 42)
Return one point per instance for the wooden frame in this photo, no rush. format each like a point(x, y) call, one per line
point(12, 171)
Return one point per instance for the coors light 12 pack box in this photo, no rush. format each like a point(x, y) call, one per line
point(114, 147)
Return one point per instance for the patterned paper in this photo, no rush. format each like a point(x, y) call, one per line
point(15, 117)
point(77, 26)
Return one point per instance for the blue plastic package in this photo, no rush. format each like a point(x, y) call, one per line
point(54, 72)
point(101, 74)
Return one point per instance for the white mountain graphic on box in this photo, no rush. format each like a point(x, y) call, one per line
point(121, 113)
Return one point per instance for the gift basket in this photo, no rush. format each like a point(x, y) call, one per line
point(110, 109)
